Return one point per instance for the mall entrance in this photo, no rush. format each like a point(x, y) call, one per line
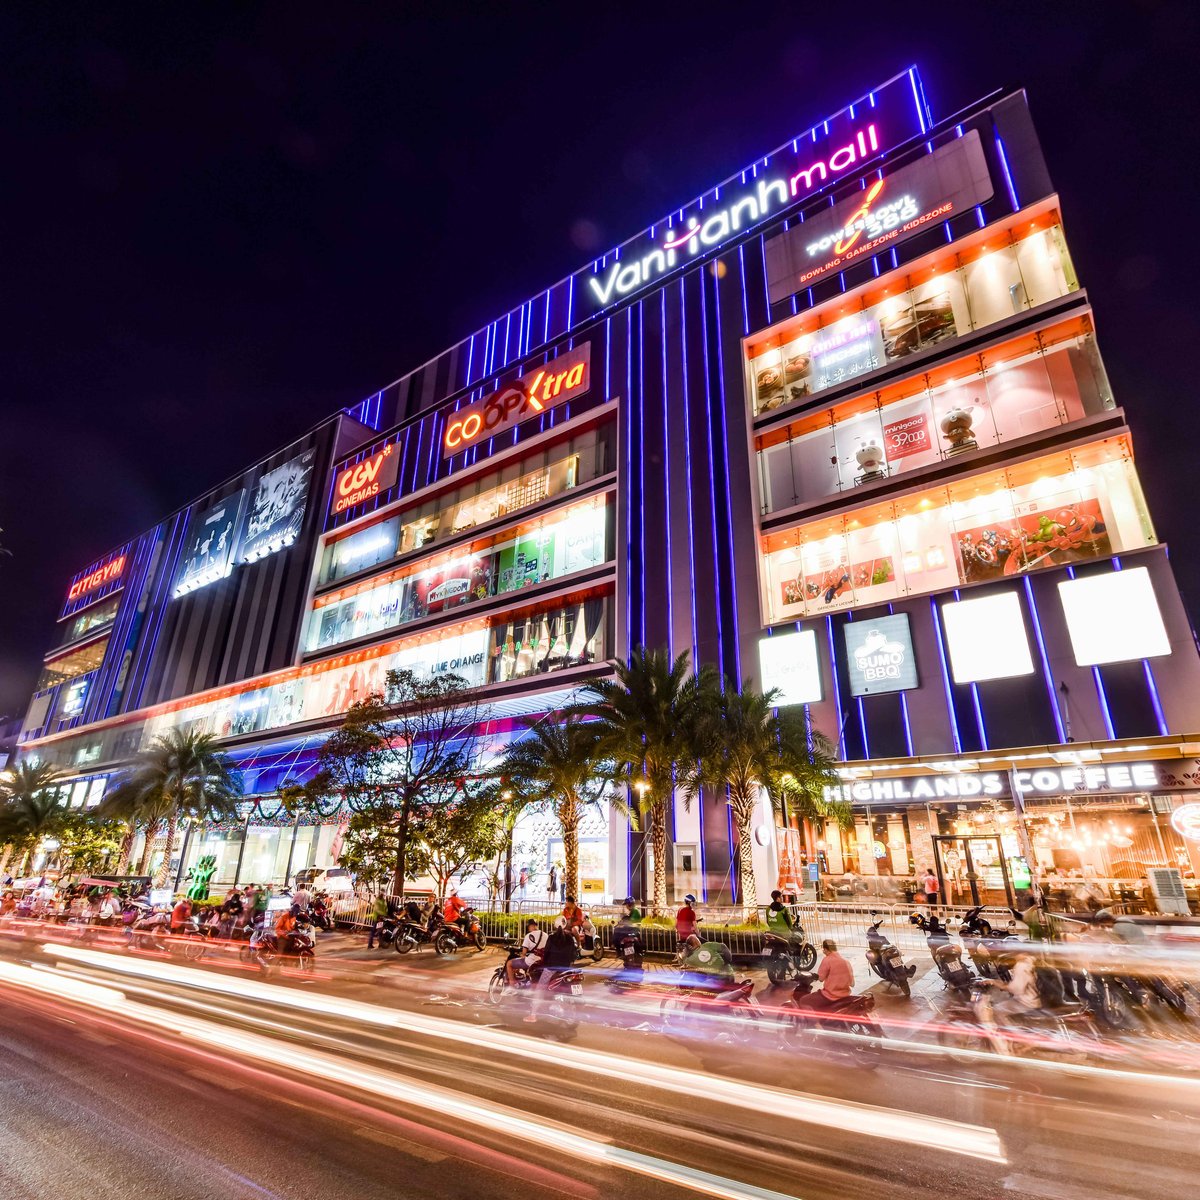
point(973, 870)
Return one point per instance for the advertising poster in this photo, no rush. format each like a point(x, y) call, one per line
point(846, 350)
point(529, 560)
point(208, 553)
point(879, 655)
point(905, 436)
point(450, 585)
point(277, 510)
point(579, 542)
point(1050, 537)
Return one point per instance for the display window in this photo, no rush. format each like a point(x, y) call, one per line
point(1053, 511)
point(563, 543)
point(567, 635)
point(968, 287)
point(1025, 386)
point(486, 498)
point(91, 619)
point(71, 666)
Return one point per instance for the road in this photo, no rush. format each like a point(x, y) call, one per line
point(129, 1075)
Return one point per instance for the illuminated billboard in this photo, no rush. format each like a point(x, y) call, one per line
point(208, 555)
point(277, 510)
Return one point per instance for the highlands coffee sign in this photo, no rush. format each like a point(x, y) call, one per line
point(837, 148)
point(951, 180)
point(563, 378)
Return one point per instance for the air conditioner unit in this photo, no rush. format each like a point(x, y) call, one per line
point(1167, 885)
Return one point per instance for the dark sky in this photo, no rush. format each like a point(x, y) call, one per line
point(221, 223)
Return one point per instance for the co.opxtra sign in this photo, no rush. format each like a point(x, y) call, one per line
point(562, 379)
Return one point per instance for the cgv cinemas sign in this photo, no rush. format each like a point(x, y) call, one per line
point(364, 480)
point(562, 379)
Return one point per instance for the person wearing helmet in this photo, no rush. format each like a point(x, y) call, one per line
point(685, 919)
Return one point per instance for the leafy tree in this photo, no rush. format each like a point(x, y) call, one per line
point(556, 764)
point(397, 758)
point(87, 843)
point(747, 747)
point(647, 729)
point(29, 808)
point(369, 847)
point(182, 775)
point(458, 838)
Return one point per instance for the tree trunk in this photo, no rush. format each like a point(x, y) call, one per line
point(148, 847)
point(658, 843)
point(570, 832)
point(4, 858)
point(126, 849)
point(401, 871)
point(743, 819)
point(163, 874)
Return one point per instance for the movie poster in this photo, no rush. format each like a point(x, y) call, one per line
point(278, 508)
point(208, 554)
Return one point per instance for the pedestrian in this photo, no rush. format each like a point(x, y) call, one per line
point(523, 881)
point(382, 910)
point(685, 919)
point(301, 897)
point(552, 883)
point(929, 885)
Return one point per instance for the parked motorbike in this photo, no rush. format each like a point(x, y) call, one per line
point(319, 912)
point(947, 955)
point(466, 931)
point(986, 945)
point(628, 947)
point(790, 957)
point(886, 961)
point(850, 1015)
point(414, 930)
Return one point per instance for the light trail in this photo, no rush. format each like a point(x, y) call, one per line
point(956, 1137)
point(373, 1082)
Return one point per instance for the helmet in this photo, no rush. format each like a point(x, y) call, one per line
point(560, 923)
point(689, 898)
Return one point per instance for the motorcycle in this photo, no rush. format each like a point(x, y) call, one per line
point(553, 1002)
point(695, 996)
point(1066, 1028)
point(319, 912)
point(466, 931)
point(789, 957)
point(850, 1015)
point(955, 975)
point(265, 950)
point(986, 945)
point(627, 944)
point(886, 961)
point(413, 930)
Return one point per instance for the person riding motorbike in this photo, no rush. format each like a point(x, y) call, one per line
point(779, 916)
point(532, 948)
point(707, 962)
point(574, 916)
point(384, 909)
point(836, 977)
point(454, 908)
point(559, 955)
point(685, 919)
point(181, 914)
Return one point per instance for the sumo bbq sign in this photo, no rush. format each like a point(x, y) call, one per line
point(563, 378)
point(364, 480)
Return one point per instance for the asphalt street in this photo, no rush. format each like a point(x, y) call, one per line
point(398, 1079)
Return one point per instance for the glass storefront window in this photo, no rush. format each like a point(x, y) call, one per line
point(486, 498)
point(561, 544)
point(563, 636)
point(92, 618)
point(1014, 390)
point(1050, 512)
point(967, 290)
point(71, 666)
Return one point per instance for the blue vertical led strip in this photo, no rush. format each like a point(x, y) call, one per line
point(837, 690)
point(737, 650)
point(946, 682)
point(908, 741)
point(858, 704)
point(1160, 717)
point(1008, 179)
point(712, 472)
point(1047, 674)
point(628, 406)
point(975, 701)
point(667, 477)
point(687, 451)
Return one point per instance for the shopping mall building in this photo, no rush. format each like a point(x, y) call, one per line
point(840, 426)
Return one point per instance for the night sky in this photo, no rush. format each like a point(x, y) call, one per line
point(220, 223)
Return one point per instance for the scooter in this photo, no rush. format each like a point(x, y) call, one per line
point(466, 931)
point(553, 1001)
point(851, 1016)
point(724, 997)
point(986, 945)
point(629, 975)
point(886, 961)
point(319, 912)
point(413, 929)
point(955, 975)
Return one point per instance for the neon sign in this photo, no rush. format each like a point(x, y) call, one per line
point(1185, 820)
point(564, 378)
point(834, 149)
point(98, 578)
point(364, 480)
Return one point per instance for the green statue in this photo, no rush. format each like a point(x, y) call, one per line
point(199, 875)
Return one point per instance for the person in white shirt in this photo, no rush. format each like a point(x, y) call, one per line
point(302, 898)
point(532, 948)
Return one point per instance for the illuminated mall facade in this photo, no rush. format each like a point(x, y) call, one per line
point(841, 426)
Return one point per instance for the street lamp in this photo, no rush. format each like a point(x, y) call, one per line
point(641, 787)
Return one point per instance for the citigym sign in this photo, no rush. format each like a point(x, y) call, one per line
point(97, 578)
point(563, 378)
point(834, 149)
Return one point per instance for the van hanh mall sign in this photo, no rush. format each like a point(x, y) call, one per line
point(843, 144)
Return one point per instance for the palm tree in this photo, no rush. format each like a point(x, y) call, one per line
point(648, 721)
point(555, 764)
point(29, 808)
point(180, 775)
point(748, 747)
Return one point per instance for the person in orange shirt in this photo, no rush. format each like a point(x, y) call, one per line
point(574, 917)
point(836, 976)
point(454, 908)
